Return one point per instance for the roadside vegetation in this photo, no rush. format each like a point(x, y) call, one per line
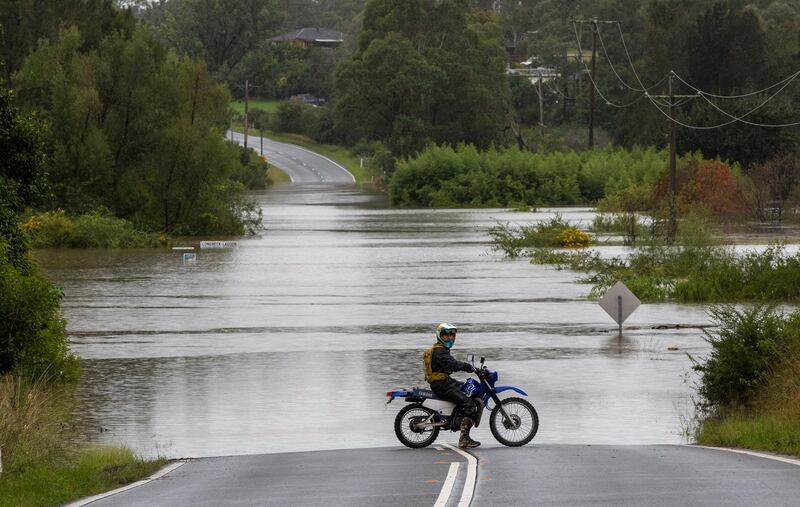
point(43, 461)
point(749, 387)
point(441, 176)
point(56, 229)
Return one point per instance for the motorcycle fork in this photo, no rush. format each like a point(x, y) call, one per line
point(496, 399)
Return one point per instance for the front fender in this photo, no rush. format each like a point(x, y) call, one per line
point(500, 389)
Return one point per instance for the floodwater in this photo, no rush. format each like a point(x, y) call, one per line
point(290, 341)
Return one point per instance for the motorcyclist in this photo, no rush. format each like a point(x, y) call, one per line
point(439, 364)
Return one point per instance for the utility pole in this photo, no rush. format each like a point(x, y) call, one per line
point(673, 177)
point(673, 184)
point(591, 89)
point(541, 106)
point(593, 74)
point(246, 104)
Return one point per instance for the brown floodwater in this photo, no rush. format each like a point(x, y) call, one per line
point(290, 341)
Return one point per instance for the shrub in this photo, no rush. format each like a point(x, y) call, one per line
point(554, 232)
point(33, 336)
point(91, 230)
point(708, 184)
point(747, 345)
point(442, 176)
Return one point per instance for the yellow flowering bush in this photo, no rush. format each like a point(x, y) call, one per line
point(573, 238)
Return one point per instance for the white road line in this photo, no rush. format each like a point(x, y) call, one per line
point(340, 166)
point(472, 475)
point(161, 473)
point(447, 487)
point(752, 453)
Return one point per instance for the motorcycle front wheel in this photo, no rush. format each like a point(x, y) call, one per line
point(406, 431)
point(522, 426)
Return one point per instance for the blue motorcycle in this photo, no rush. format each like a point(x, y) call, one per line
point(513, 421)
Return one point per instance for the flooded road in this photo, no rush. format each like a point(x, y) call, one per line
point(291, 341)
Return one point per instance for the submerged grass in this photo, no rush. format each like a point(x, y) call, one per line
point(695, 269)
point(43, 463)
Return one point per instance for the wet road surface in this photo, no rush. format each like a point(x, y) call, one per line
point(302, 166)
point(547, 475)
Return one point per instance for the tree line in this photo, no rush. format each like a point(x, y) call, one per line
point(132, 128)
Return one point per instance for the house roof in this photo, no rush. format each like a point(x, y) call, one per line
point(311, 35)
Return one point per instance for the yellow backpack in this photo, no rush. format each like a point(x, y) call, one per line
point(427, 358)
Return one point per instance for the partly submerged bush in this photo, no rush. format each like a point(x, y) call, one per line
point(554, 232)
point(745, 348)
point(92, 230)
point(33, 336)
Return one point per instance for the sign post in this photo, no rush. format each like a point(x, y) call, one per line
point(619, 303)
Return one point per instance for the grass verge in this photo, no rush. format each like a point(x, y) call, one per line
point(275, 175)
point(43, 463)
point(764, 432)
point(269, 106)
point(88, 472)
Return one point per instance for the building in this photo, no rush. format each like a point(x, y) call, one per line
point(312, 37)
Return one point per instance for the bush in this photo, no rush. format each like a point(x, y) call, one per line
point(746, 346)
point(33, 336)
point(93, 230)
point(441, 176)
point(707, 184)
point(555, 232)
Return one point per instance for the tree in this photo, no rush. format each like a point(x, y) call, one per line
point(33, 338)
point(424, 72)
point(220, 31)
point(22, 175)
point(136, 130)
point(25, 22)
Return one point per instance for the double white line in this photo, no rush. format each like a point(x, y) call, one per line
point(469, 484)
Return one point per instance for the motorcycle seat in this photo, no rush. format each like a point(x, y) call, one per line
point(423, 394)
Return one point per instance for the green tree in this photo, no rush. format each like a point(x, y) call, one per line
point(22, 175)
point(425, 71)
point(136, 130)
point(33, 338)
point(220, 31)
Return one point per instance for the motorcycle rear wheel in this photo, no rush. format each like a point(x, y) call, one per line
point(407, 434)
point(523, 426)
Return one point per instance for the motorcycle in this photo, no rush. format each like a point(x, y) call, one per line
point(513, 421)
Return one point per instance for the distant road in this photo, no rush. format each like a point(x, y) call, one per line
point(302, 165)
point(652, 475)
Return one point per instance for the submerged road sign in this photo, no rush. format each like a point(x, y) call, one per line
point(619, 302)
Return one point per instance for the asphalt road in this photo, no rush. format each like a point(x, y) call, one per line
point(302, 165)
point(532, 475)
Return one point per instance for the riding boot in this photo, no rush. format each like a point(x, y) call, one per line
point(465, 442)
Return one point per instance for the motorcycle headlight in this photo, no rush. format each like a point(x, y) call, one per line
point(493, 377)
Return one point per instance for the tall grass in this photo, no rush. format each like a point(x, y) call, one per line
point(43, 462)
point(33, 417)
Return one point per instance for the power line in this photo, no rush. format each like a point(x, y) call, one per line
point(744, 95)
point(733, 119)
point(633, 67)
point(611, 64)
point(591, 78)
